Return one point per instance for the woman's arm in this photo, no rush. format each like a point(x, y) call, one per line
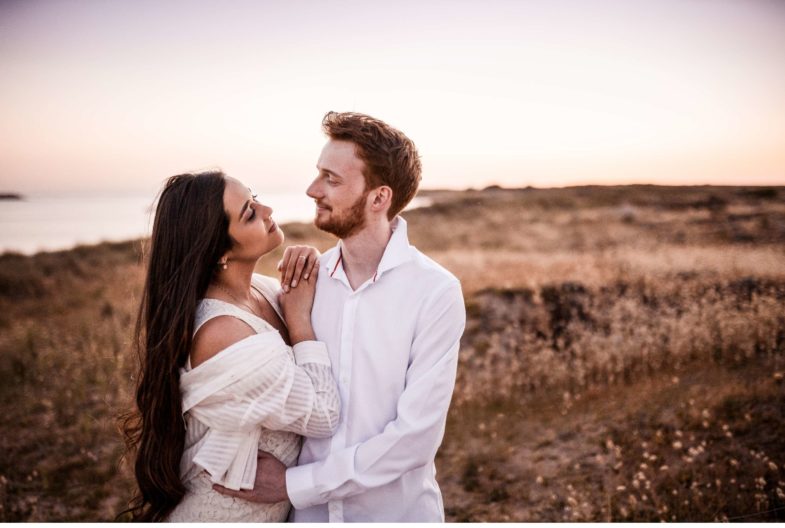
point(259, 384)
point(255, 382)
point(270, 389)
point(296, 305)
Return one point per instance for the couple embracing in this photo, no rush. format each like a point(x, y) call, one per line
point(328, 392)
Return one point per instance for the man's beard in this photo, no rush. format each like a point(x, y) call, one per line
point(349, 223)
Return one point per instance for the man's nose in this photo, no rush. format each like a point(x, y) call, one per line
point(313, 190)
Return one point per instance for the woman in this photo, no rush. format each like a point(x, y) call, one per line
point(218, 378)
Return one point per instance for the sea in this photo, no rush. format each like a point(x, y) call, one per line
point(50, 223)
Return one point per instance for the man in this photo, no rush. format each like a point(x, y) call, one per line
point(392, 320)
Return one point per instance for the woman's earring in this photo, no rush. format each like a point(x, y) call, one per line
point(223, 263)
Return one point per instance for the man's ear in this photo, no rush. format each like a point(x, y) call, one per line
point(381, 199)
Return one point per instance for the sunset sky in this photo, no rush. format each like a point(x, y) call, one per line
point(107, 96)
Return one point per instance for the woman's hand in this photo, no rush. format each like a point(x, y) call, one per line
point(298, 263)
point(296, 305)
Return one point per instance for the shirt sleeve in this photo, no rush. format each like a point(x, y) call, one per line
point(300, 396)
point(412, 439)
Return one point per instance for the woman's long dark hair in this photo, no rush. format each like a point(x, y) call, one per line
point(190, 235)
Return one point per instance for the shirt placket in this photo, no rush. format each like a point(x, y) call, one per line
point(335, 507)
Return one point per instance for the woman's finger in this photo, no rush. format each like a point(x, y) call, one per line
point(289, 269)
point(312, 262)
point(313, 259)
point(299, 265)
point(287, 254)
point(286, 264)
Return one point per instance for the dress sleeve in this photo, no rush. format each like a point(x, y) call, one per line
point(277, 393)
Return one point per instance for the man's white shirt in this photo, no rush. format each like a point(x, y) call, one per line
point(393, 344)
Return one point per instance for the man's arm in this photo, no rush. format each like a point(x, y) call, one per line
point(412, 439)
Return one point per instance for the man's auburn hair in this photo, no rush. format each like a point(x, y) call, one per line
point(389, 156)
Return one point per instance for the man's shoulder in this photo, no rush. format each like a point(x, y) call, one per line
point(426, 267)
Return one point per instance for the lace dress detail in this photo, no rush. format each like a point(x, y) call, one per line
point(201, 503)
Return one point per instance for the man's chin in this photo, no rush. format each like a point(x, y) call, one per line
point(325, 226)
point(321, 218)
point(319, 221)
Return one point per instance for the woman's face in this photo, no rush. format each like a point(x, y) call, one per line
point(251, 225)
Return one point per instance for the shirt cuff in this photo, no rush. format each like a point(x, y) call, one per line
point(311, 352)
point(300, 487)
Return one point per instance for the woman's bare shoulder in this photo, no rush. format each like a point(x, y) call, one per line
point(217, 334)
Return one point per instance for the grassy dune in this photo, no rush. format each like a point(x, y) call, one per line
point(623, 358)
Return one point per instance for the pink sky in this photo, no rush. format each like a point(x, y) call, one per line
point(102, 95)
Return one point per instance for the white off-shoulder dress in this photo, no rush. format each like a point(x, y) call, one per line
point(258, 394)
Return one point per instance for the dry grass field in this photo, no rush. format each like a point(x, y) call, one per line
point(623, 358)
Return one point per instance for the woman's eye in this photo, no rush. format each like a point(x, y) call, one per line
point(252, 215)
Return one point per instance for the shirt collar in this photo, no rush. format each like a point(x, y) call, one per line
point(397, 252)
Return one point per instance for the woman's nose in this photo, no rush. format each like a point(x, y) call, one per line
point(263, 210)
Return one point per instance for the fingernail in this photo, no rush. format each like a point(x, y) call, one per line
point(286, 289)
point(294, 283)
point(305, 276)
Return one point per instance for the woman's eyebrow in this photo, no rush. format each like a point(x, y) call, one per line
point(245, 206)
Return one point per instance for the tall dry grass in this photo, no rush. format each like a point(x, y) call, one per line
point(566, 336)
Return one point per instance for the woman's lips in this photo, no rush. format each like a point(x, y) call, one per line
point(273, 227)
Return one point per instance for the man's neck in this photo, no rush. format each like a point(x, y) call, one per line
point(362, 252)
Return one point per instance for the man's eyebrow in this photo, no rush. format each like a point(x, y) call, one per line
point(328, 171)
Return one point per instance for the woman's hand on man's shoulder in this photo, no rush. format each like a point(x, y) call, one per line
point(298, 263)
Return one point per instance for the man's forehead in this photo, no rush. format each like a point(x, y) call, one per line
point(339, 156)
